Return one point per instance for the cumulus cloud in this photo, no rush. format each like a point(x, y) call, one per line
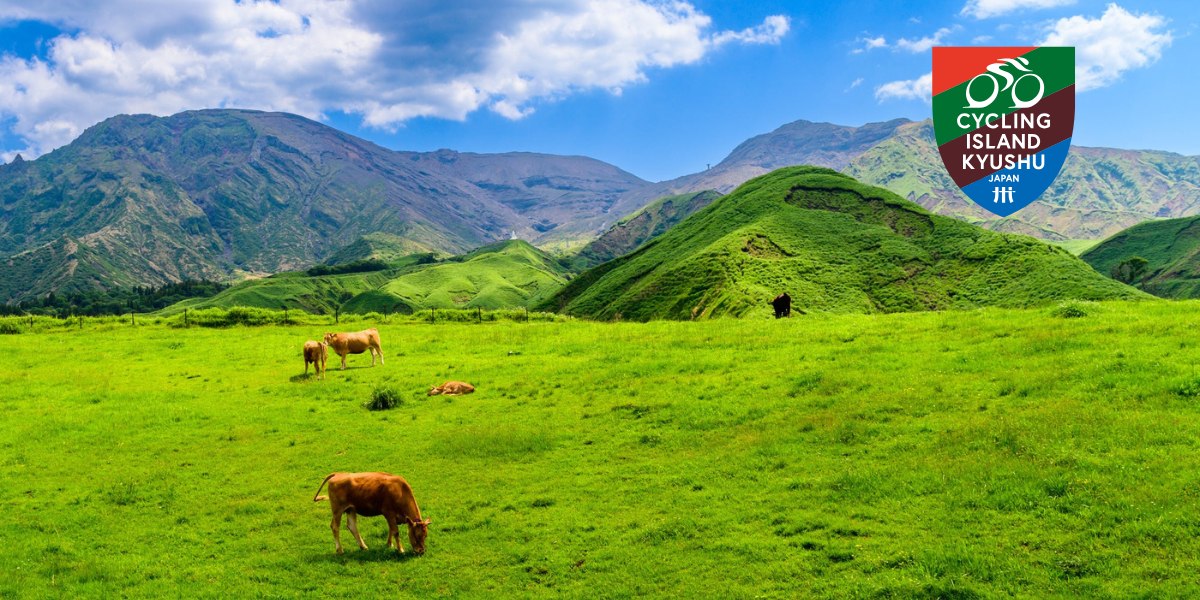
point(920, 88)
point(1110, 45)
point(916, 46)
point(927, 42)
point(983, 9)
point(384, 61)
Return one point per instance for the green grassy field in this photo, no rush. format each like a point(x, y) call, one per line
point(982, 454)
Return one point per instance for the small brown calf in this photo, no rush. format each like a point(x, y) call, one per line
point(315, 353)
point(451, 388)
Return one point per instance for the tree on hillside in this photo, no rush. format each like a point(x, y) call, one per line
point(1130, 270)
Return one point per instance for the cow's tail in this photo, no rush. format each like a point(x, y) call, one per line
point(317, 498)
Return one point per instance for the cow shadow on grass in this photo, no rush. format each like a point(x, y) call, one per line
point(302, 378)
point(375, 554)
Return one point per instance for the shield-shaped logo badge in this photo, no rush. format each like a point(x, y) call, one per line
point(1003, 118)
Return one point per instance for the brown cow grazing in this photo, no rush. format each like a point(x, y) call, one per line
point(371, 495)
point(451, 388)
point(356, 343)
point(783, 305)
point(315, 353)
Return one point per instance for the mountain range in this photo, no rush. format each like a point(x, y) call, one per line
point(221, 193)
point(226, 194)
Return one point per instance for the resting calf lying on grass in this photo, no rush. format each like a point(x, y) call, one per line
point(451, 388)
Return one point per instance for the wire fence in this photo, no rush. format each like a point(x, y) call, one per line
point(261, 317)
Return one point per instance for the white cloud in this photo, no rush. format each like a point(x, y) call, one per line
point(920, 88)
point(983, 9)
point(854, 84)
point(1110, 45)
point(915, 46)
point(927, 42)
point(384, 61)
point(983, 39)
point(871, 44)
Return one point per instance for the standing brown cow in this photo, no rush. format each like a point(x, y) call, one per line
point(371, 495)
point(315, 353)
point(356, 343)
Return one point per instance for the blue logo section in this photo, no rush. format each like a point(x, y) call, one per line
point(1009, 190)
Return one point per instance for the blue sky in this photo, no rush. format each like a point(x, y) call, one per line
point(659, 89)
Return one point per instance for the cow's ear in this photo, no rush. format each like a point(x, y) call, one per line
point(409, 520)
point(428, 521)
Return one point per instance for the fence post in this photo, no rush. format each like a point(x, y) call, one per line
point(336, 317)
point(185, 318)
point(526, 314)
point(386, 311)
point(132, 319)
point(479, 313)
point(432, 315)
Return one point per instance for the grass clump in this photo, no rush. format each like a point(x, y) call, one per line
point(1075, 309)
point(384, 398)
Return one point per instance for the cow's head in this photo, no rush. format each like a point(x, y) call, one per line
point(329, 338)
point(417, 532)
point(434, 390)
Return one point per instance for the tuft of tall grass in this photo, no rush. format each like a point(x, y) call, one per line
point(384, 398)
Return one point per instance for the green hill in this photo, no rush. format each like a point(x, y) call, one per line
point(834, 245)
point(291, 290)
point(1172, 247)
point(507, 274)
point(640, 227)
point(377, 246)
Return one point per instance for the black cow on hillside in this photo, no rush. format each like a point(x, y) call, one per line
point(783, 305)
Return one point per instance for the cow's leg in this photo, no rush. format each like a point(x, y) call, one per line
point(380, 351)
point(343, 362)
point(336, 526)
point(306, 368)
point(393, 531)
point(352, 521)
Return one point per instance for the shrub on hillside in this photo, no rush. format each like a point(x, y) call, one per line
point(1074, 309)
point(384, 399)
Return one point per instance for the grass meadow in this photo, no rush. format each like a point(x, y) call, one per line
point(1049, 453)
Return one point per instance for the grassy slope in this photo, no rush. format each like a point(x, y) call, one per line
point(1171, 245)
point(640, 227)
point(1022, 456)
point(834, 245)
point(290, 290)
point(1077, 247)
point(377, 246)
point(506, 274)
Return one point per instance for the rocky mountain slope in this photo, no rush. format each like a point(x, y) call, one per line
point(1099, 192)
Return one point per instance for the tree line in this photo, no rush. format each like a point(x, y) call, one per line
point(141, 299)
